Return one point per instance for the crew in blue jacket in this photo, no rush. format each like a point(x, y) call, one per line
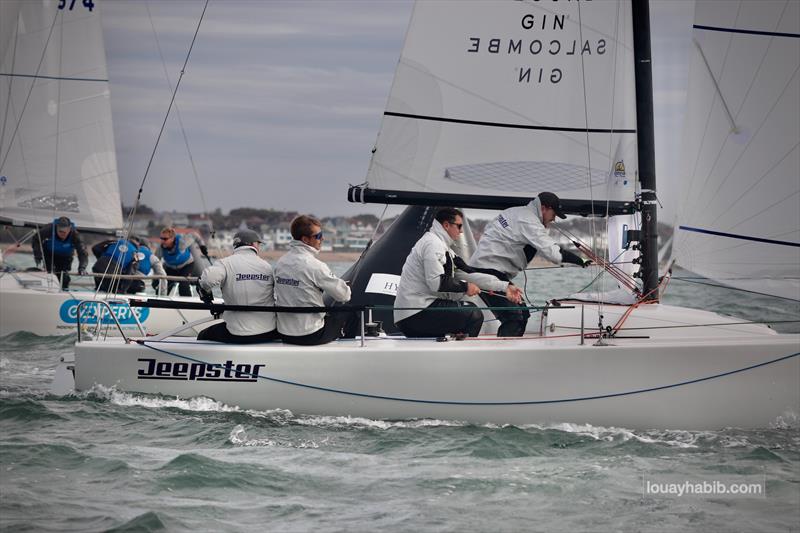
point(56, 244)
point(114, 257)
point(177, 253)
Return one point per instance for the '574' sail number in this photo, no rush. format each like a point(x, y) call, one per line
point(88, 4)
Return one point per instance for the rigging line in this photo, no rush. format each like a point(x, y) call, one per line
point(180, 119)
point(28, 97)
point(588, 142)
point(354, 268)
point(57, 139)
point(687, 280)
point(753, 185)
point(166, 116)
point(749, 141)
point(689, 190)
point(10, 84)
point(611, 139)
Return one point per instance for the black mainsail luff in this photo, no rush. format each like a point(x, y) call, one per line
point(645, 138)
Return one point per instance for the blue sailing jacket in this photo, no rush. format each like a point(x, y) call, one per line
point(177, 256)
point(145, 264)
point(56, 246)
point(122, 252)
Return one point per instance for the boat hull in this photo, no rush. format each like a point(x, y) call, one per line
point(46, 310)
point(693, 384)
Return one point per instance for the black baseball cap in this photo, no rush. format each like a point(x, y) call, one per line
point(550, 200)
point(245, 237)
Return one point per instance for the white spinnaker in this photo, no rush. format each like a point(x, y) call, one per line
point(509, 117)
point(57, 155)
point(739, 219)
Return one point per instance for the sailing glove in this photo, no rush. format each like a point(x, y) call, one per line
point(570, 257)
point(205, 296)
point(81, 271)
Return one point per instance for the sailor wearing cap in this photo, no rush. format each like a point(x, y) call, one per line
point(509, 243)
point(56, 244)
point(244, 279)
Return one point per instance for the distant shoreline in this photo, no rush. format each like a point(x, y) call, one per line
point(270, 255)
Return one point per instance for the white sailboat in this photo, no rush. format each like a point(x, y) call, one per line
point(516, 98)
point(57, 157)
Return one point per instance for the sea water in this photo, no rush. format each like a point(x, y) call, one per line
point(108, 460)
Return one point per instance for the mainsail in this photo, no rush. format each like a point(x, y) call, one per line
point(512, 99)
point(739, 221)
point(57, 154)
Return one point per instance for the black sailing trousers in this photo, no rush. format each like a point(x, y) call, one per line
point(439, 320)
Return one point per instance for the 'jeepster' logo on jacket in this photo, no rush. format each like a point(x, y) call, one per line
point(253, 277)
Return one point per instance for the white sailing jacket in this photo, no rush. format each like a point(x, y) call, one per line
point(301, 280)
point(421, 277)
point(502, 246)
point(245, 279)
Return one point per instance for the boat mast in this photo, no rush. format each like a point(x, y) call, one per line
point(646, 147)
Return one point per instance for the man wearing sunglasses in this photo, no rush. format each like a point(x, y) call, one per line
point(302, 280)
point(509, 243)
point(431, 289)
point(177, 255)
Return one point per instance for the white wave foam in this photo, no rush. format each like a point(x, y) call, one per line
point(356, 422)
point(239, 437)
point(679, 439)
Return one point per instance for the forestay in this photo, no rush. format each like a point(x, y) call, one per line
point(57, 153)
point(492, 99)
point(739, 221)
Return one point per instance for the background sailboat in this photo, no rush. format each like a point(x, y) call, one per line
point(57, 153)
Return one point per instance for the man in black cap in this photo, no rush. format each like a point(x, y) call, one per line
point(509, 243)
point(244, 279)
point(56, 244)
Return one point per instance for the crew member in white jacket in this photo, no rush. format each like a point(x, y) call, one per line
point(301, 280)
point(245, 279)
point(509, 243)
point(430, 280)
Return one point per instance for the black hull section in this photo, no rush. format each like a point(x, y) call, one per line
point(386, 256)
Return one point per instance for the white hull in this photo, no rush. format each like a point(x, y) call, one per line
point(35, 303)
point(671, 380)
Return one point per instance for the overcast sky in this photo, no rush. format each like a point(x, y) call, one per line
point(282, 100)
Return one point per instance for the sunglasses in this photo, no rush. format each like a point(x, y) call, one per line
point(318, 236)
point(459, 226)
point(165, 238)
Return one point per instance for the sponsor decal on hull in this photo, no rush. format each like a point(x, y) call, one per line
point(184, 371)
point(125, 314)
